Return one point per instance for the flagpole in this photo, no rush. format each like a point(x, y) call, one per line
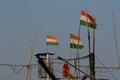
point(77, 54)
point(88, 39)
point(47, 60)
point(51, 40)
point(46, 44)
point(46, 48)
point(94, 28)
point(88, 33)
point(93, 54)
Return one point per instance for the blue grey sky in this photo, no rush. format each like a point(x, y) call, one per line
point(20, 19)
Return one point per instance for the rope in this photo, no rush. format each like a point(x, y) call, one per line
point(14, 69)
point(106, 68)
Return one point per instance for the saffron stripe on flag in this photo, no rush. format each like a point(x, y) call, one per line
point(51, 40)
point(75, 42)
point(87, 20)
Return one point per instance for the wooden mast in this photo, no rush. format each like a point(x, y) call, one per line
point(117, 51)
point(30, 57)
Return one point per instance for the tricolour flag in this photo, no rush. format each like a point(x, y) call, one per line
point(51, 40)
point(87, 20)
point(75, 42)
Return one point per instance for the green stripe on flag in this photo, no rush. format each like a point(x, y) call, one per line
point(72, 45)
point(52, 43)
point(86, 24)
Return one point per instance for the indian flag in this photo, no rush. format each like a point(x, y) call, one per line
point(51, 40)
point(87, 20)
point(75, 42)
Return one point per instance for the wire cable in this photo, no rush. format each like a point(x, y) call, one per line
point(106, 68)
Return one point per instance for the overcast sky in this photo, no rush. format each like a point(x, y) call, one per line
point(20, 20)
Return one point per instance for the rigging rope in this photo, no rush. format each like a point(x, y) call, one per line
point(106, 68)
point(14, 69)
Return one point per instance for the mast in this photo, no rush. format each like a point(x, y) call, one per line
point(30, 57)
point(92, 56)
point(77, 55)
point(117, 51)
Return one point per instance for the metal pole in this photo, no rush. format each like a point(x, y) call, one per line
point(41, 62)
point(90, 62)
point(92, 65)
point(47, 60)
point(93, 54)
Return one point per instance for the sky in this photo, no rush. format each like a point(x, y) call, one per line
point(20, 20)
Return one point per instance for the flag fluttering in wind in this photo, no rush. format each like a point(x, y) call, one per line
point(51, 40)
point(87, 20)
point(75, 42)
